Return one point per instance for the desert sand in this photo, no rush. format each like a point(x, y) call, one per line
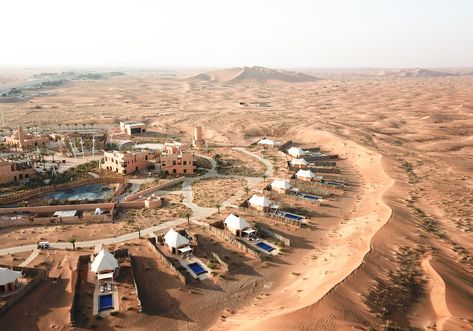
point(406, 138)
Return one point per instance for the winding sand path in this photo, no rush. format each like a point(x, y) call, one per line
point(314, 278)
point(436, 287)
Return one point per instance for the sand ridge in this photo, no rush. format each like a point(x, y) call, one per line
point(314, 278)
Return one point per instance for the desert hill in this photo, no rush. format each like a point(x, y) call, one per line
point(416, 72)
point(253, 74)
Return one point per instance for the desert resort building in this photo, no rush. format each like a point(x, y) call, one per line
point(26, 141)
point(173, 160)
point(296, 152)
point(238, 226)
point(131, 128)
point(260, 202)
point(104, 265)
point(177, 242)
point(126, 162)
point(12, 171)
point(8, 280)
point(306, 175)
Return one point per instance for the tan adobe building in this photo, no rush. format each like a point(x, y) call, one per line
point(126, 163)
point(175, 161)
point(131, 128)
point(197, 140)
point(11, 171)
point(24, 141)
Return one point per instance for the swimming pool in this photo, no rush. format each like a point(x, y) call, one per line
point(265, 246)
point(197, 268)
point(105, 302)
point(291, 216)
point(86, 192)
point(311, 197)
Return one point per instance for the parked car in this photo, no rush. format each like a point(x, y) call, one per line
point(43, 245)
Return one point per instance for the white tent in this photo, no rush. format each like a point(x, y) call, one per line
point(260, 201)
point(104, 261)
point(299, 162)
point(281, 183)
point(268, 142)
point(235, 222)
point(174, 240)
point(305, 174)
point(296, 152)
point(8, 276)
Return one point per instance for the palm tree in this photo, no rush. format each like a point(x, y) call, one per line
point(139, 228)
point(83, 126)
point(188, 215)
point(72, 240)
point(76, 125)
point(264, 177)
point(247, 190)
point(218, 205)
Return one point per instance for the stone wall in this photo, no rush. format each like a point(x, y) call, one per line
point(75, 283)
point(34, 221)
point(153, 244)
point(266, 231)
point(232, 240)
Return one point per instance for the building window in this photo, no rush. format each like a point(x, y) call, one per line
point(185, 171)
point(184, 163)
point(173, 163)
point(173, 171)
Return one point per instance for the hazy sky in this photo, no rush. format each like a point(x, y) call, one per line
point(221, 33)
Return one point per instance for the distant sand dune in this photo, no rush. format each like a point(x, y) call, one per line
point(253, 74)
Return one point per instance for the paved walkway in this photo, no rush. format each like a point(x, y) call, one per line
point(30, 258)
point(198, 213)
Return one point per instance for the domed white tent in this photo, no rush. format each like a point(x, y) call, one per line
point(104, 264)
point(306, 175)
point(260, 202)
point(176, 242)
point(299, 163)
point(296, 152)
point(280, 186)
point(238, 225)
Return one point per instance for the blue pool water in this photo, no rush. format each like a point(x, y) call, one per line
point(265, 246)
point(311, 197)
point(105, 302)
point(197, 268)
point(290, 216)
point(85, 192)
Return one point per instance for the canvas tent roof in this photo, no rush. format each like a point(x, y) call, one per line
point(296, 152)
point(174, 239)
point(260, 201)
point(305, 173)
point(280, 183)
point(104, 261)
point(8, 276)
point(299, 162)
point(236, 222)
point(266, 141)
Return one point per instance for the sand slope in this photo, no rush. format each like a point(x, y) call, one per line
point(253, 74)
